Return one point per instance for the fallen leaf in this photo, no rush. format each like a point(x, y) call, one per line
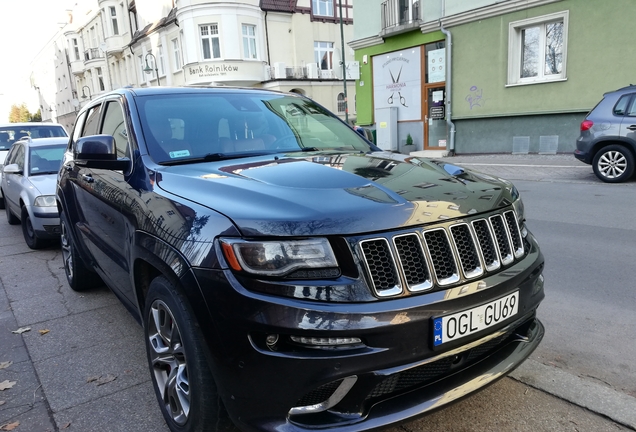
point(2, 402)
point(6, 384)
point(43, 332)
point(4, 365)
point(106, 379)
point(66, 425)
point(9, 426)
point(92, 378)
point(21, 330)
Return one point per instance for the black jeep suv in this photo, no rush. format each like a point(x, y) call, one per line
point(288, 274)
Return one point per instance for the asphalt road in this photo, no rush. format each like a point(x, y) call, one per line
point(89, 371)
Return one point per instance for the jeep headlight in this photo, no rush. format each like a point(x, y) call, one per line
point(277, 258)
point(45, 201)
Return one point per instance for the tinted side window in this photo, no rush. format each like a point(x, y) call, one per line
point(115, 125)
point(92, 121)
point(19, 156)
point(79, 124)
point(631, 111)
point(11, 155)
point(621, 105)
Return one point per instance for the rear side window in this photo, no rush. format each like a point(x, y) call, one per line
point(92, 121)
point(621, 106)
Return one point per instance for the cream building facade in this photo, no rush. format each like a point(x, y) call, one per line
point(280, 45)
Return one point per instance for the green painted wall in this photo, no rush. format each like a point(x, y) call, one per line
point(598, 60)
point(364, 86)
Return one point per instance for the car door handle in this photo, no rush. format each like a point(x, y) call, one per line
point(631, 127)
point(88, 178)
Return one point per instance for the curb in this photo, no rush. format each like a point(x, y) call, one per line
point(597, 398)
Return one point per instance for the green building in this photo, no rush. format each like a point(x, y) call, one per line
point(486, 76)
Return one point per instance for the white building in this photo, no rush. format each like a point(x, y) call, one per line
point(287, 45)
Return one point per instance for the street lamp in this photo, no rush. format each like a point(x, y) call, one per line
point(89, 93)
point(148, 69)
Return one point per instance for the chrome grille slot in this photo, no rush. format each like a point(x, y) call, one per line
point(380, 265)
point(486, 244)
point(414, 264)
point(442, 257)
point(466, 250)
point(515, 234)
point(502, 238)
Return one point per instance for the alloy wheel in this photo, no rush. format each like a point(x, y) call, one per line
point(67, 253)
point(169, 362)
point(612, 164)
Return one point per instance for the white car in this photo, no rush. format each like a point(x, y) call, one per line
point(12, 132)
point(28, 185)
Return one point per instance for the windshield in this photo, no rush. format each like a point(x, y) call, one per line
point(45, 159)
point(189, 127)
point(11, 134)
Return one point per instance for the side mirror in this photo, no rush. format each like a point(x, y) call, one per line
point(99, 151)
point(12, 169)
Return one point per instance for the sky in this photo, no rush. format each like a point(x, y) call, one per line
point(26, 28)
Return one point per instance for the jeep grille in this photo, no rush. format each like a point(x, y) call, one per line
point(441, 256)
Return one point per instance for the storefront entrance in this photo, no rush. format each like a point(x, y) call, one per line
point(434, 114)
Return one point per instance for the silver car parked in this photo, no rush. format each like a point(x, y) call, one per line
point(28, 186)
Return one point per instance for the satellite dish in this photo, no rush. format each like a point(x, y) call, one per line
point(103, 46)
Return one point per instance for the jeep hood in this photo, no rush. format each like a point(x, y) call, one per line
point(334, 193)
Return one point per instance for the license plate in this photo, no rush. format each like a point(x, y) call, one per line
point(461, 324)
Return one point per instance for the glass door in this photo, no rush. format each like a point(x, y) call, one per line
point(435, 127)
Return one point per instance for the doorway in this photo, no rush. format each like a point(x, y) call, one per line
point(434, 110)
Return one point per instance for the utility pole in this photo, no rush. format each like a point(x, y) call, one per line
point(342, 60)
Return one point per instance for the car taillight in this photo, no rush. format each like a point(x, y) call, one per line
point(586, 125)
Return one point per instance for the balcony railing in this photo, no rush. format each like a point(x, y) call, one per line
point(400, 12)
point(92, 54)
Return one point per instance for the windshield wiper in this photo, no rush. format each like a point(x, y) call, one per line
point(304, 149)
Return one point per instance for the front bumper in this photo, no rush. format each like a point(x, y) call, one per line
point(398, 373)
point(45, 221)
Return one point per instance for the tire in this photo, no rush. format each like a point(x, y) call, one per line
point(30, 237)
point(11, 218)
point(78, 276)
point(176, 351)
point(613, 164)
point(2, 202)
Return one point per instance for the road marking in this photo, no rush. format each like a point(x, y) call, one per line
point(527, 166)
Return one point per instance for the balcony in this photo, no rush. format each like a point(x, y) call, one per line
point(279, 71)
point(93, 54)
point(399, 16)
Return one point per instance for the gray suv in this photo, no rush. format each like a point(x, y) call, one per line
point(608, 136)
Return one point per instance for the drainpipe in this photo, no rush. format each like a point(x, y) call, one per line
point(449, 57)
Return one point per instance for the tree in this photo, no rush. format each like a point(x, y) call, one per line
point(19, 113)
point(37, 117)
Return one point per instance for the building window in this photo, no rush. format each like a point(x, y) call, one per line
point(76, 51)
point(113, 19)
point(100, 79)
point(249, 41)
point(537, 49)
point(210, 41)
point(341, 103)
point(162, 68)
point(322, 7)
point(141, 70)
point(176, 52)
point(323, 53)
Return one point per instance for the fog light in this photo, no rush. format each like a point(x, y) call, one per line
point(313, 341)
point(271, 340)
point(524, 231)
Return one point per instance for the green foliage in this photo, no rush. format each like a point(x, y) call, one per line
point(20, 114)
point(409, 140)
